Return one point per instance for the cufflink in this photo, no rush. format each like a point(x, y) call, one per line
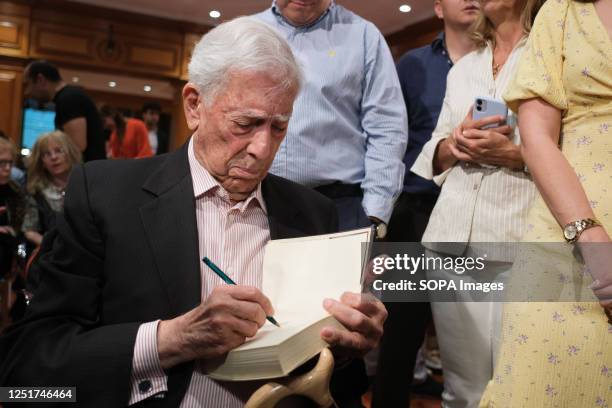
point(145, 386)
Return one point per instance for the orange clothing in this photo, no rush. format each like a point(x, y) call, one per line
point(135, 143)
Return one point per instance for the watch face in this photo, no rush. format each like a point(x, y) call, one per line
point(570, 232)
point(381, 230)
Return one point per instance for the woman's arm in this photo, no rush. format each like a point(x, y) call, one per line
point(540, 125)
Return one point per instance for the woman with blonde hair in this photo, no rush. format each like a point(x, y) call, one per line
point(53, 156)
point(485, 195)
point(559, 354)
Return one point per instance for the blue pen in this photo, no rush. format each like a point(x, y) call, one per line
point(229, 281)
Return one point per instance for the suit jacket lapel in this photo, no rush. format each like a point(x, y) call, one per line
point(281, 215)
point(170, 224)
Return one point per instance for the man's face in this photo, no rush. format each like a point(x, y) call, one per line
point(108, 123)
point(36, 88)
point(457, 12)
point(302, 12)
point(238, 134)
point(151, 118)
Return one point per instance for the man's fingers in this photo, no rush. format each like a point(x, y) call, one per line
point(345, 339)
point(244, 328)
point(247, 311)
point(366, 304)
point(351, 318)
point(251, 294)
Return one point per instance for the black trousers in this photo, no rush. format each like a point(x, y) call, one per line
point(353, 381)
point(406, 324)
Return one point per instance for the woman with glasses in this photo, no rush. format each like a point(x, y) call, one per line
point(12, 204)
point(53, 156)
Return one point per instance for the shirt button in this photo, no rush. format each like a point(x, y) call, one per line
point(145, 386)
point(475, 186)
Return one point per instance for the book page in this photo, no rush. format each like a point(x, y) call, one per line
point(298, 274)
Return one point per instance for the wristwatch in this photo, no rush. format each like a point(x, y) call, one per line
point(381, 229)
point(572, 230)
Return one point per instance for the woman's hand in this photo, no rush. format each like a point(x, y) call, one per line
point(472, 144)
point(596, 249)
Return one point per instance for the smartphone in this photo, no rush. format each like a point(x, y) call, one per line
point(485, 106)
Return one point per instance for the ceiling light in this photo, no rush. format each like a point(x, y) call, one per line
point(214, 14)
point(75, 79)
point(404, 8)
point(112, 84)
point(147, 88)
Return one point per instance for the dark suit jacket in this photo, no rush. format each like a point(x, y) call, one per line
point(163, 142)
point(125, 252)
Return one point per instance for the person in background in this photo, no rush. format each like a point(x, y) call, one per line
point(559, 354)
point(12, 207)
point(422, 73)
point(17, 174)
point(348, 132)
point(349, 129)
point(75, 113)
point(129, 138)
point(52, 158)
point(158, 139)
point(485, 194)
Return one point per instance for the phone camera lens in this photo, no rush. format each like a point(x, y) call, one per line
point(478, 108)
point(479, 102)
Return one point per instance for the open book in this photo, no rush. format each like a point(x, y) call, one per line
point(298, 274)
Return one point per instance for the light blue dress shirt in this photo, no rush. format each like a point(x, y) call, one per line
point(349, 122)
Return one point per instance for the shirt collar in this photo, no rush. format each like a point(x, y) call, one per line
point(439, 43)
point(280, 17)
point(205, 184)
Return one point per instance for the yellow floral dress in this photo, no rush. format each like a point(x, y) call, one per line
point(559, 354)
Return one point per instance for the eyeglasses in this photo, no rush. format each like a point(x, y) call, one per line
point(47, 154)
point(6, 163)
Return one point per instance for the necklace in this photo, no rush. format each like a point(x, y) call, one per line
point(497, 66)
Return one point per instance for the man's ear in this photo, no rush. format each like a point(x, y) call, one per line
point(191, 105)
point(40, 79)
point(438, 9)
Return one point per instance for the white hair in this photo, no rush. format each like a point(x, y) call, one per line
point(242, 44)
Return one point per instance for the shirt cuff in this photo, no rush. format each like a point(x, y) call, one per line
point(148, 377)
point(423, 165)
point(376, 206)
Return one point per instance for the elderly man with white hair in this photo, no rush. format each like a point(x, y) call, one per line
point(125, 310)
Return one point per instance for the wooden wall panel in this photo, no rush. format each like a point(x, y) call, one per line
point(414, 36)
point(79, 46)
point(189, 42)
point(14, 34)
point(11, 85)
point(153, 57)
point(54, 42)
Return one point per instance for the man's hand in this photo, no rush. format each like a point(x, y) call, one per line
point(223, 322)
point(363, 315)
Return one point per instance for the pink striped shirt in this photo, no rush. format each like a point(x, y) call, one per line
point(233, 236)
